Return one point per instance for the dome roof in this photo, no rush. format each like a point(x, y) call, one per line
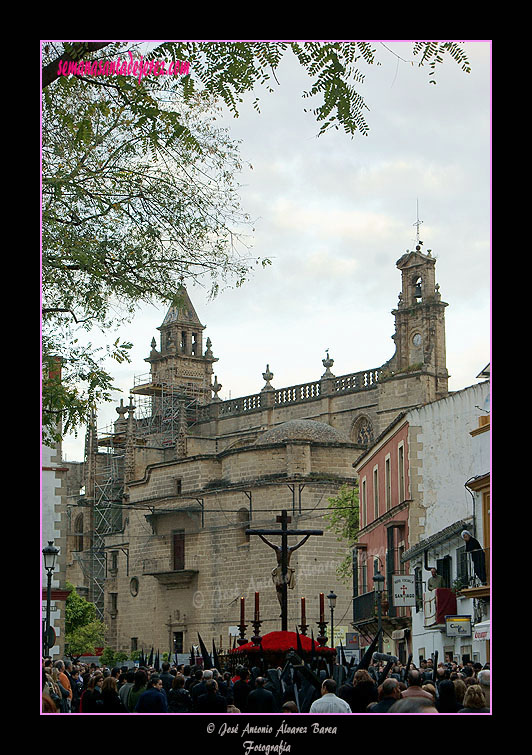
point(302, 429)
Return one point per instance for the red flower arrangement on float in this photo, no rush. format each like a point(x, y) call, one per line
point(279, 643)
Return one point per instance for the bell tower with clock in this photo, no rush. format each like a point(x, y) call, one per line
point(420, 323)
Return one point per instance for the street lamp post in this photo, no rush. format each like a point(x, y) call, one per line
point(378, 586)
point(49, 553)
point(331, 597)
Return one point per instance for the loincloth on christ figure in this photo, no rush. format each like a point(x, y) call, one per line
point(277, 577)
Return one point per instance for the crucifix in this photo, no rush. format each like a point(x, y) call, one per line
point(283, 573)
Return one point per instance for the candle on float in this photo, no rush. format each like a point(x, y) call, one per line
point(256, 606)
point(242, 602)
point(303, 615)
point(322, 606)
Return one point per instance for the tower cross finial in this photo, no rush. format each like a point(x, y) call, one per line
point(418, 222)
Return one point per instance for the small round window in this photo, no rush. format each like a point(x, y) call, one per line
point(134, 586)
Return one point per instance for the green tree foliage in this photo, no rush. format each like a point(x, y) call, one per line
point(83, 631)
point(344, 521)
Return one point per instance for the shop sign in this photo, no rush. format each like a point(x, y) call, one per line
point(404, 593)
point(458, 626)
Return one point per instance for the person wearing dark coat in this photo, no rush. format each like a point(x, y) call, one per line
point(91, 699)
point(211, 701)
point(477, 555)
point(153, 700)
point(447, 702)
point(199, 689)
point(364, 692)
point(110, 697)
point(179, 698)
point(261, 700)
point(241, 691)
point(390, 693)
point(167, 677)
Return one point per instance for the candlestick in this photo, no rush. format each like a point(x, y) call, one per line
point(242, 611)
point(303, 615)
point(256, 606)
point(322, 607)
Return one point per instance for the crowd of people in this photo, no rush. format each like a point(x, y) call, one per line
point(69, 687)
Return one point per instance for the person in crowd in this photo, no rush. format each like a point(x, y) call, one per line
point(413, 704)
point(200, 688)
point(261, 700)
point(48, 705)
point(290, 707)
point(91, 699)
point(167, 677)
point(414, 688)
point(484, 681)
point(63, 693)
point(329, 702)
point(126, 687)
point(179, 698)
point(76, 683)
point(64, 681)
point(231, 707)
point(447, 702)
point(211, 701)
point(460, 689)
point(220, 681)
point(139, 686)
point(389, 693)
point(364, 692)
point(187, 673)
point(241, 690)
point(110, 697)
point(196, 677)
point(429, 687)
point(153, 699)
point(474, 700)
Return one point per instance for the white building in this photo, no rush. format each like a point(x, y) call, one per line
point(450, 477)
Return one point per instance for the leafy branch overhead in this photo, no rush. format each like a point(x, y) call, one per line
point(140, 186)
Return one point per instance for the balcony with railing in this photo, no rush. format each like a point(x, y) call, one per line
point(473, 578)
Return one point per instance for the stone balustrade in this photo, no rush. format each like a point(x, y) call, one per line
point(327, 386)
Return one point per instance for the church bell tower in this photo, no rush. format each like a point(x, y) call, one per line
point(180, 361)
point(420, 321)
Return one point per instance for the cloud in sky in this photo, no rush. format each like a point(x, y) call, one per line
point(335, 214)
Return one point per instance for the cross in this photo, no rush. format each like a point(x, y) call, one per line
point(283, 555)
point(418, 221)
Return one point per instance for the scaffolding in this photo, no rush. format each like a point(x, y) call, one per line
point(104, 494)
point(163, 410)
point(162, 413)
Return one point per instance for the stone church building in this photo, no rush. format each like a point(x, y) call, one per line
point(157, 539)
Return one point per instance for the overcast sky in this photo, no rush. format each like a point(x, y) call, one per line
point(334, 214)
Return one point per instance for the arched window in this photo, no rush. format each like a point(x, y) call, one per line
point(417, 290)
point(362, 431)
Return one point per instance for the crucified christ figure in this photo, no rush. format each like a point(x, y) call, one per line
point(277, 573)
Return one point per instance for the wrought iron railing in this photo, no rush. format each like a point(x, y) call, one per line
point(365, 607)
